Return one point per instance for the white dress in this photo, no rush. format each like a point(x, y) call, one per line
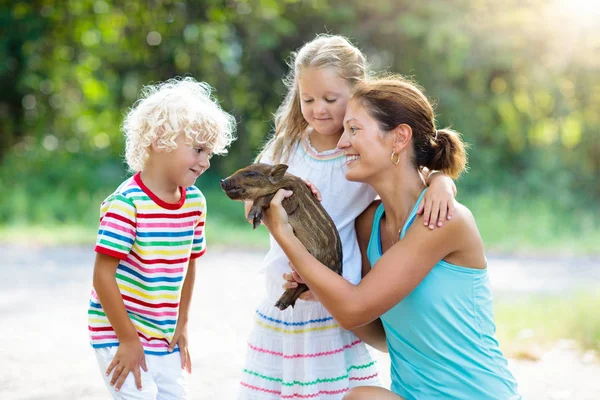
point(302, 352)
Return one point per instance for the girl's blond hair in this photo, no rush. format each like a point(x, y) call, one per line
point(167, 109)
point(325, 51)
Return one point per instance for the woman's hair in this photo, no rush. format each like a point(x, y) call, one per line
point(395, 100)
point(167, 109)
point(325, 51)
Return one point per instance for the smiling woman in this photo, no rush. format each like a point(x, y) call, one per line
point(436, 280)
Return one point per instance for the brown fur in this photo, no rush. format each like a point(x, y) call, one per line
point(311, 223)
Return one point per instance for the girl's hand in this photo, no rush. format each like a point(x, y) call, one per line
point(292, 279)
point(438, 203)
point(180, 338)
point(129, 358)
point(275, 217)
point(313, 189)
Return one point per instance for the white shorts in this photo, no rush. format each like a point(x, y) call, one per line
point(165, 379)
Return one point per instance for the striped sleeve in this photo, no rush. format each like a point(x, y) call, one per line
point(199, 245)
point(116, 233)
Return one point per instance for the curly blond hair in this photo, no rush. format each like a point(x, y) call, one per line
point(170, 108)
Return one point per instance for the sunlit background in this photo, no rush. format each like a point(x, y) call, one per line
point(520, 80)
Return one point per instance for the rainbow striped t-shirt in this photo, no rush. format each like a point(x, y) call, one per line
point(154, 242)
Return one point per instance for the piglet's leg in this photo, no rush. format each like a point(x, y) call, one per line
point(289, 297)
point(256, 211)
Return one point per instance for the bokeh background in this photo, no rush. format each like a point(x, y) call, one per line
point(520, 80)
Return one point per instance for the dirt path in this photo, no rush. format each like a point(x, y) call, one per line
point(44, 350)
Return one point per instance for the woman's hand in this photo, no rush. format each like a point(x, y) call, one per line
point(292, 279)
point(248, 203)
point(275, 217)
point(438, 203)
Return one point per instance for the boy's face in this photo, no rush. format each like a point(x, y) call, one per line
point(187, 162)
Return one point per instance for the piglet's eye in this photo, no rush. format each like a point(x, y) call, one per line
point(250, 174)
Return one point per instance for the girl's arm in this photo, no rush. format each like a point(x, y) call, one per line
point(438, 203)
point(372, 333)
point(395, 275)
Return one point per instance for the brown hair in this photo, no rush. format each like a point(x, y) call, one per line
point(395, 100)
point(323, 51)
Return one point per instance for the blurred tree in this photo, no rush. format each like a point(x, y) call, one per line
point(525, 94)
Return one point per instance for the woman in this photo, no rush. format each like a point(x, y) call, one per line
point(430, 288)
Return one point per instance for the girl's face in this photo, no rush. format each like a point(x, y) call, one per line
point(323, 99)
point(366, 146)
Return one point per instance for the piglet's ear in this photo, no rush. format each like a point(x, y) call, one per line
point(277, 172)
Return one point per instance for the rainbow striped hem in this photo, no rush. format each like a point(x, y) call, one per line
point(297, 383)
point(306, 355)
point(149, 352)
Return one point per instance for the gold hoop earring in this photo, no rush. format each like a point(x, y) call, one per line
point(395, 158)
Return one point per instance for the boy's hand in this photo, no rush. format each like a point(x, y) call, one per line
point(291, 282)
point(180, 338)
point(438, 203)
point(129, 357)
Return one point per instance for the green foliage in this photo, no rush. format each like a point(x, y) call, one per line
point(524, 94)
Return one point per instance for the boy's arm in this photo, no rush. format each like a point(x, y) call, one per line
point(186, 293)
point(180, 336)
point(130, 354)
point(116, 236)
point(109, 294)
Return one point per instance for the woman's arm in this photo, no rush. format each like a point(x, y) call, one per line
point(394, 276)
point(372, 333)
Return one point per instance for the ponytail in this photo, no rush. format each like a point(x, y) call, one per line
point(446, 153)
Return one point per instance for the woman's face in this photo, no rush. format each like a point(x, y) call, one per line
point(367, 147)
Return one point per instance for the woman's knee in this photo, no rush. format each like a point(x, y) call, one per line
point(370, 393)
point(358, 393)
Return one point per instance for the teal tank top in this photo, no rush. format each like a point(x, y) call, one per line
point(441, 337)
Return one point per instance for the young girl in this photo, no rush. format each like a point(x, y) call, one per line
point(303, 352)
point(151, 233)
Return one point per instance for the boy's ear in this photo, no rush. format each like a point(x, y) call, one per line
point(277, 173)
point(154, 145)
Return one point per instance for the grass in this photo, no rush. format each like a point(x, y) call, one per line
point(529, 326)
point(507, 225)
point(534, 226)
point(67, 217)
point(220, 233)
